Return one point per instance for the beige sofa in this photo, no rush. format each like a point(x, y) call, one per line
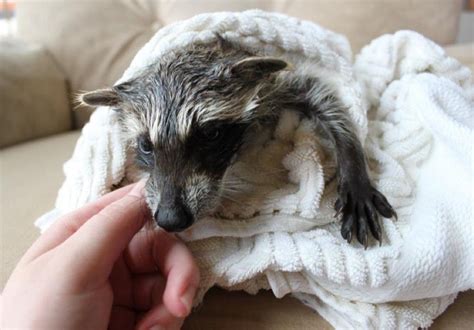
point(82, 45)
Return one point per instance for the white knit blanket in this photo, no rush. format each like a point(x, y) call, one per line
point(414, 108)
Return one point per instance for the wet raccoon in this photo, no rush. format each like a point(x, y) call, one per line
point(190, 113)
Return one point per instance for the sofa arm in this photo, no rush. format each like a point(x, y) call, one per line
point(464, 53)
point(34, 101)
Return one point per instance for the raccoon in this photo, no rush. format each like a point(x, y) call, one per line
point(190, 113)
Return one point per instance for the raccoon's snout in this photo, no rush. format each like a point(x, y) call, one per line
point(173, 219)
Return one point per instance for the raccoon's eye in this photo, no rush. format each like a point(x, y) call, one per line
point(145, 145)
point(213, 135)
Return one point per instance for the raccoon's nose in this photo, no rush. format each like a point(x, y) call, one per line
point(173, 219)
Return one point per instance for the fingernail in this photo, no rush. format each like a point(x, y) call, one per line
point(187, 299)
point(138, 189)
point(157, 327)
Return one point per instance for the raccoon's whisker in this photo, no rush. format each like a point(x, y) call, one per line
point(235, 191)
point(236, 187)
point(241, 203)
point(276, 171)
point(264, 172)
point(234, 181)
point(234, 194)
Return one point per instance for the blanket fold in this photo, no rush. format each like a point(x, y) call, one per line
point(413, 107)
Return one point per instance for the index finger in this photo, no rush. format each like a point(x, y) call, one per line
point(94, 248)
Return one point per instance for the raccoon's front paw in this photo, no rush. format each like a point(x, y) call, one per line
point(360, 205)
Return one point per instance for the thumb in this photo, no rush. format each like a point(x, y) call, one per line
point(98, 243)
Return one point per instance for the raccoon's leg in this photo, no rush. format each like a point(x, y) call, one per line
point(358, 201)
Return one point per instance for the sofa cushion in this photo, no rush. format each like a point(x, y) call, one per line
point(94, 41)
point(464, 53)
point(30, 179)
point(33, 93)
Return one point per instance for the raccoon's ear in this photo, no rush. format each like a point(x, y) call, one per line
point(101, 97)
point(256, 68)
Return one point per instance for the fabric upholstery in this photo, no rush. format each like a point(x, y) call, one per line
point(95, 41)
point(30, 178)
point(33, 93)
point(463, 53)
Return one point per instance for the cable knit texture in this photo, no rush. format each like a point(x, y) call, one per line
point(413, 107)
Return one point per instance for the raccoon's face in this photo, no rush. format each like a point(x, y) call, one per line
point(187, 117)
point(186, 174)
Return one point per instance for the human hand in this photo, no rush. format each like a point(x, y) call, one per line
point(94, 269)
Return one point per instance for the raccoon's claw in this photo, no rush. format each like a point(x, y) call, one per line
point(338, 206)
point(346, 228)
point(360, 208)
point(383, 206)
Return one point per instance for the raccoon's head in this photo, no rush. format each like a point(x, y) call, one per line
point(187, 116)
